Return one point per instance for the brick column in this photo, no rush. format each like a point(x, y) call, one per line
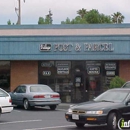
point(23, 72)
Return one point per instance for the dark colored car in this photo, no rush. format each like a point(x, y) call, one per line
point(108, 108)
point(31, 95)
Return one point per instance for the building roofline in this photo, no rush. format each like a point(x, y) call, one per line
point(66, 26)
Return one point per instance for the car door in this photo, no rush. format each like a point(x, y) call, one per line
point(18, 95)
point(5, 101)
point(127, 108)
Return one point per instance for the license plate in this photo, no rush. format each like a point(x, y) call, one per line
point(47, 96)
point(75, 117)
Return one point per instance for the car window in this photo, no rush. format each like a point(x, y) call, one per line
point(115, 96)
point(43, 88)
point(20, 89)
point(3, 94)
point(127, 85)
point(23, 89)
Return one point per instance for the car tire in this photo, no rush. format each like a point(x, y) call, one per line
point(79, 125)
point(112, 121)
point(26, 104)
point(53, 107)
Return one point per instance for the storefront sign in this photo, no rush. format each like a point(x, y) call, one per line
point(63, 47)
point(110, 66)
point(108, 80)
point(46, 73)
point(46, 64)
point(78, 47)
point(45, 47)
point(63, 64)
point(98, 47)
point(93, 70)
point(110, 73)
point(62, 70)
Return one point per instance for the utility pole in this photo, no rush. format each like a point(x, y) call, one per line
point(18, 12)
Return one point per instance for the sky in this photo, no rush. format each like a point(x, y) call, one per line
point(31, 10)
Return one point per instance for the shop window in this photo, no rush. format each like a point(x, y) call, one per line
point(5, 75)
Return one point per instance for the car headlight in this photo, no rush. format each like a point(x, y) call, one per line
point(70, 110)
point(94, 112)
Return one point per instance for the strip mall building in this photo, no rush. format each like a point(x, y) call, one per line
point(78, 61)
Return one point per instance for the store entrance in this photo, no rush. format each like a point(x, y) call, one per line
point(93, 86)
point(79, 92)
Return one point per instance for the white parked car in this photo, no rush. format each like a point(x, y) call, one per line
point(126, 85)
point(5, 102)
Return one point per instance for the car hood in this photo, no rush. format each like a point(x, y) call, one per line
point(92, 105)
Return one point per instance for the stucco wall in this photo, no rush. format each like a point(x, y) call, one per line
point(23, 72)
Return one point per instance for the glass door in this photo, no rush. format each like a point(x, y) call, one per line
point(79, 88)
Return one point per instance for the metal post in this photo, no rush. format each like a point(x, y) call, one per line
point(19, 16)
point(18, 12)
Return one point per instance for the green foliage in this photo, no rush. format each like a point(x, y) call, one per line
point(117, 17)
point(47, 20)
point(9, 22)
point(94, 17)
point(116, 82)
point(41, 20)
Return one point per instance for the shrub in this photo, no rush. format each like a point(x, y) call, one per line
point(116, 82)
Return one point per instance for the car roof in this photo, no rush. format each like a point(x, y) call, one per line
point(120, 89)
point(33, 85)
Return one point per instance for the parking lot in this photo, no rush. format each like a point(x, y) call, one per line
point(38, 119)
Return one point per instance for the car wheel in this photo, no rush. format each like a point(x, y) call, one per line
point(26, 104)
point(112, 121)
point(80, 125)
point(53, 107)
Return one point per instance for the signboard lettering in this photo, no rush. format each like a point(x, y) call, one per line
point(110, 66)
point(93, 70)
point(78, 47)
point(45, 47)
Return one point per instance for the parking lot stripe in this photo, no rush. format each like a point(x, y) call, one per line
point(13, 122)
point(53, 127)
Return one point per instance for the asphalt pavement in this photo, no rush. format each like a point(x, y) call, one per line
point(64, 106)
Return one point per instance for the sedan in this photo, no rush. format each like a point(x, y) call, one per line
point(31, 95)
point(108, 108)
point(5, 102)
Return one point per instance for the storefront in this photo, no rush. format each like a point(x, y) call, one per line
point(78, 61)
point(77, 81)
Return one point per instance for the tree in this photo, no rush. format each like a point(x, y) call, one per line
point(117, 17)
point(89, 17)
point(47, 20)
point(68, 21)
point(9, 22)
point(82, 12)
point(49, 17)
point(116, 82)
point(41, 20)
point(93, 16)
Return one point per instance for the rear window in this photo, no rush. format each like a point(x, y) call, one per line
point(3, 94)
point(43, 88)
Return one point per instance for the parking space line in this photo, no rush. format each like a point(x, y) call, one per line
point(54, 127)
point(13, 122)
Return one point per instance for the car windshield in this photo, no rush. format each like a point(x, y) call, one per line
point(112, 96)
point(41, 88)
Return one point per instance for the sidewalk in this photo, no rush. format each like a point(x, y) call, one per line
point(64, 106)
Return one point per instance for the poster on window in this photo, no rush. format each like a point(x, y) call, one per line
point(63, 70)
